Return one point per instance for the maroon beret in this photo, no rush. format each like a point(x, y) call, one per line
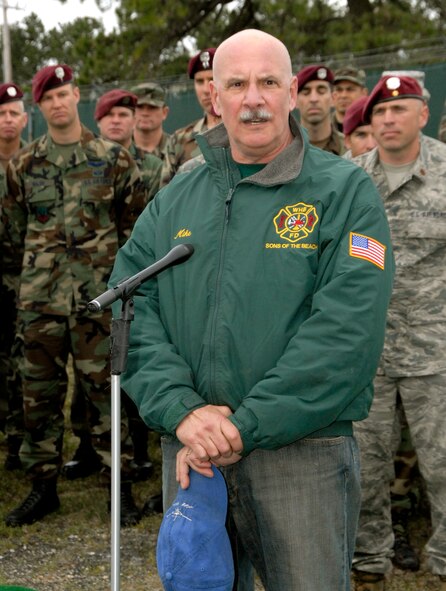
point(202, 61)
point(9, 93)
point(316, 72)
point(114, 98)
point(353, 117)
point(50, 77)
point(391, 88)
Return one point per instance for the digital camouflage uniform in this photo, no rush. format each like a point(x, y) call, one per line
point(65, 219)
point(442, 128)
point(180, 148)
point(413, 363)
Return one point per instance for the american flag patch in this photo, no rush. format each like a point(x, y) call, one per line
point(367, 248)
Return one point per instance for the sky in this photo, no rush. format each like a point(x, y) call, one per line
point(53, 12)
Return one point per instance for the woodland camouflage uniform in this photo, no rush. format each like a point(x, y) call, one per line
point(65, 217)
point(11, 419)
point(149, 166)
point(413, 360)
point(180, 148)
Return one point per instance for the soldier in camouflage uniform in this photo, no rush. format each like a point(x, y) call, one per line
point(409, 170)
point(315, 101)
point(348, 87)
point(71, 201)
point(115, 117)
point(182, 145)
point(151, 110)
point(13, 120)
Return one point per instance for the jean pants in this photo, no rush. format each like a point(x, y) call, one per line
point(294, 510)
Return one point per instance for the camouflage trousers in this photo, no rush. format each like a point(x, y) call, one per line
point(48, 341)
point(424, 402)
point(11, 403)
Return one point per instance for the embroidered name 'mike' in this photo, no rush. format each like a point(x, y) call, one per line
point(364, 247)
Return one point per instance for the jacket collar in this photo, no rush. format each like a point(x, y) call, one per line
point(284, 168)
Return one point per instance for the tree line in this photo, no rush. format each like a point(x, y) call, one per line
point(153, 40)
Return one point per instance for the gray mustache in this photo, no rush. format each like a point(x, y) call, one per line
point(255, 115)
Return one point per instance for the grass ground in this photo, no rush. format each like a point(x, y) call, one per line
point(70, 549)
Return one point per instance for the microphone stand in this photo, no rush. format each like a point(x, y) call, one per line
point(119, 344)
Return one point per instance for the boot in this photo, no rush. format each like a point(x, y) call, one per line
point(154, 504)
point(85, 460)
point(130, 514)
point(442, 582)
point(404, 556)
point(368, 581)
point(12, 460)
point(41, 501)
point(140, 470)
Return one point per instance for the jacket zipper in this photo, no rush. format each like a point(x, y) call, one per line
point(212, 355)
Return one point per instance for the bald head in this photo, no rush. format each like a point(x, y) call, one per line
point(251, 44)
point(254, 91)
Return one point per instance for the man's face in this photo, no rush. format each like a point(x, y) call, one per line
point(13, 120)
point(254, 95)
point(345, 93)
point(396, 124)
point(149, 117)
point(202, 90)
point(117, 125)
point(361, 140)
point(314, 102)
point(59, 106)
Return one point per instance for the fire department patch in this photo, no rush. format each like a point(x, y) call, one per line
point(295, 222)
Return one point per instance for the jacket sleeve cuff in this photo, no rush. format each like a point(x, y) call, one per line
point(176, 412)
point(246, 422)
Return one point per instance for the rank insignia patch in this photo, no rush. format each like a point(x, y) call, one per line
point(295, 222)
point(363, 247)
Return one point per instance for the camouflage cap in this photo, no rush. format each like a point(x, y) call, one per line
point(351, 74)
point(50, 77)
point(353, 117)
point(202, 61)
point(114, 98)
point(391, 88)
point(150, 93)
point(9, 93)
point(315, 72)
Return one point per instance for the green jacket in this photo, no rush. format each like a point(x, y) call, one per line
point(271, 315)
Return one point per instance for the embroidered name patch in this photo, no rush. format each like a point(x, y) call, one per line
point(364, 247)
point(295, 222)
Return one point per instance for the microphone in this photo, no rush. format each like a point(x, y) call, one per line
point(126, 288)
